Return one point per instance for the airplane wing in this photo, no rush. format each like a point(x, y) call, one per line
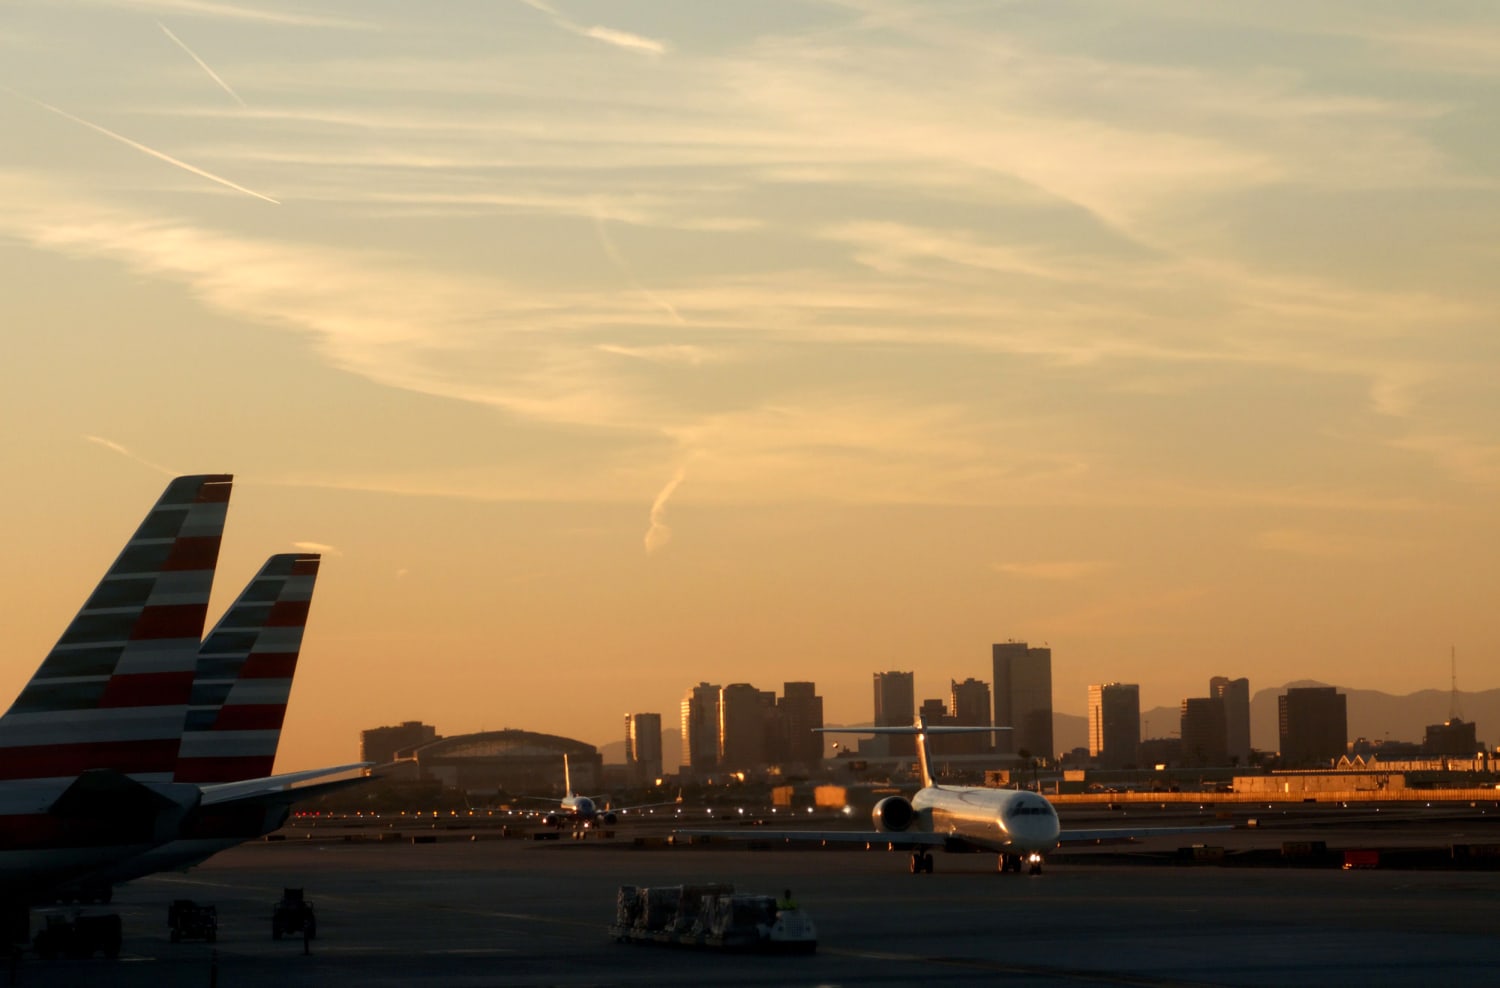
point(1134, 833)
point(875, 838)
point(225, 792)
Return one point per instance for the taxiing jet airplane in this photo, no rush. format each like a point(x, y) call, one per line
point(585, 811)
point(1018, 825)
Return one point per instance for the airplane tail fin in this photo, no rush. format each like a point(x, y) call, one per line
point(113, 691)
point(567, 777)
point(244, 675)
point(922, 731)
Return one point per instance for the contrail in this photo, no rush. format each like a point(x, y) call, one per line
point(659, 534)
point(151, 151)
point(201, 63)
point(614, 255)
point(128, 454)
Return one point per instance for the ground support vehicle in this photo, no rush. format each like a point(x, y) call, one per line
point(78, 935)
point(190, 921)
point(293, 916)
point(713, 917)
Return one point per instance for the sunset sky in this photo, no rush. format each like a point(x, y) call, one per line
point(607, 347)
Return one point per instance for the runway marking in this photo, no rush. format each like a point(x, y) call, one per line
point(1028, 970)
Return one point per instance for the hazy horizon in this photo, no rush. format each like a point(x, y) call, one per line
point(607, 348)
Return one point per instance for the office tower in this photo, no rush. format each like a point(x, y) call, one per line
point(1236, 696)
point(745, 726)
point(896, 706)
point(1314, 722)
point(1114, 723)
point(1455, 738)
point(380, 744)
point(971, 706)
point(799, 714)
point(1023, 699)
point(700, 729)
point(1204, 743)
point(643, 748)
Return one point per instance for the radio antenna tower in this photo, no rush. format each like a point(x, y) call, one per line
point(1455, 712)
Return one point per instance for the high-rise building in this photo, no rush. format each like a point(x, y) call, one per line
point(700, 729)
point(1023, 699)
point(970, 706)
point(896, 706)
point(1455, 738)
point(380, 744)
point(799, 715)
point(1114, 723)
point(1314, 722)
point(643, 748)
point(1236, 696)
point(1204, 743)
point(746, 726)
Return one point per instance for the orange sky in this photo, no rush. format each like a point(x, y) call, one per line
point(607, 349)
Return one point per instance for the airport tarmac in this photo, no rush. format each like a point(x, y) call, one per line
point(459, 913)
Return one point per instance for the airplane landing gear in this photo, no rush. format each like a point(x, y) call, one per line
point(1036, 864)
point(921, 861)
point(1010, 862)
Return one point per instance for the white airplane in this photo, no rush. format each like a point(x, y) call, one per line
point(1017, 825)
point(585, 811)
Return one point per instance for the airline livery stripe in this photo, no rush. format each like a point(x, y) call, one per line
point(61, 760)
point(199, 552)
point(151, 689)
point(170, 621)
point(288, 613)
point(250, 717)
point(276, 666)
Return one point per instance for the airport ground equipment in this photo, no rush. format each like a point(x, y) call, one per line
point(78, 935)
point(713, 917)
point(293, 916)
point(190, 921)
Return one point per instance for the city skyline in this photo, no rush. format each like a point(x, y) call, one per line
point(600, 349)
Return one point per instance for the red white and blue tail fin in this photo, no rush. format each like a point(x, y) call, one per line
point(244, 676)
point(113, 691)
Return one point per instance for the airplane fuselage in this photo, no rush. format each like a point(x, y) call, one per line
point(1001, 820)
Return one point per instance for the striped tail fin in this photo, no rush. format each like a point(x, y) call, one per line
point(244, 677)
point(113, 691)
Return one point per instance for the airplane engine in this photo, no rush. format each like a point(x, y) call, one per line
point(893, 813)
point(552, 820)
point(608, 819)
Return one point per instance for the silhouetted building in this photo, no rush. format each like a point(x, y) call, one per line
point(1236, 696)
point(1314, 723)
point(1203, 733)
point(510, 760)
point(700, 729)
point(1159, 751)
point(970, 705)
point(896, 706)
point(380, 744)
point(1114, 724)
point(1452, 737)
point(643, 748)
point(1023, 699)
point(746, 726)
point(800, 713)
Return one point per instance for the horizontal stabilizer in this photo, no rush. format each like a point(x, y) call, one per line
point(215, 795)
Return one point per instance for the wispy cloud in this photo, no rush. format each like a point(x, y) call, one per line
point(129, 454)
point(201, 63)
point(1060, 570)
point(319, 547)
point(610, 36)
point(659, 534)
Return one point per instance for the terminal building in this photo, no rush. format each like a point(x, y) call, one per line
point(510, 761)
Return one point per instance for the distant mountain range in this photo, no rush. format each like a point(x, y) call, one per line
point(1372, 714)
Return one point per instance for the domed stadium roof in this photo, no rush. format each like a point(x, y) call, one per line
point(508, 743)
